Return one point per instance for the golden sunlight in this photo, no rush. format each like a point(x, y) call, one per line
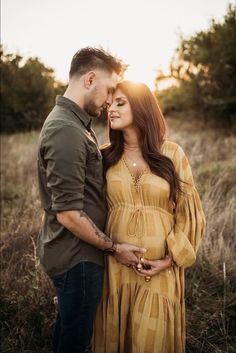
point(141, 73)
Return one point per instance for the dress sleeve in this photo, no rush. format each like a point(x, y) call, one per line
point(184, 239)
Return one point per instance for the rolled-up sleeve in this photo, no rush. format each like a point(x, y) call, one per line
point(184, 240)
point(64, 156)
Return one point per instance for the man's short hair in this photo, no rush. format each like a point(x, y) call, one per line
point(87, 59)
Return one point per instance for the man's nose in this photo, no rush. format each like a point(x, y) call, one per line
point(109, 100)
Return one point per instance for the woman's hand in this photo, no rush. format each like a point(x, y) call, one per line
point(156, 266)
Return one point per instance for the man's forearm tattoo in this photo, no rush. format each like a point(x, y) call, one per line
point(98, 232)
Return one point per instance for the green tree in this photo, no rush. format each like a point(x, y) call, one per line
point(28, 91)
point(205, 67)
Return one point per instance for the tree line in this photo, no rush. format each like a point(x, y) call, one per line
point(204, 69)
point(28, 91)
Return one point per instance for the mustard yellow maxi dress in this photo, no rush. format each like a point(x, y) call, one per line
point(135, 316)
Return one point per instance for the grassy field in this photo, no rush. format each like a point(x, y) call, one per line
point(26, 301)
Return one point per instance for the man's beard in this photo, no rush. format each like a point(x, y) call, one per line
point(91, 108)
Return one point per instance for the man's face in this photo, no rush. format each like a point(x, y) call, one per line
point(100, 95)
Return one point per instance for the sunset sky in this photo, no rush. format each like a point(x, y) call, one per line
point(144, 33)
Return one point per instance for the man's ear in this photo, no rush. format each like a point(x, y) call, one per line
point(89, 79)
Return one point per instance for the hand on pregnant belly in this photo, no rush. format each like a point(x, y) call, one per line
point(152, 267)
point(125, 254)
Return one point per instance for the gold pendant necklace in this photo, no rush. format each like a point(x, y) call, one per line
point(134, 163)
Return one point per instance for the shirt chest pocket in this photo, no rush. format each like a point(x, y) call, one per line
point(94, 165)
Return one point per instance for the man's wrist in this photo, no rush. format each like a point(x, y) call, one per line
point(112, 249)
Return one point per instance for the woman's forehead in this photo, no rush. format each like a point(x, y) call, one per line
point(118, 94)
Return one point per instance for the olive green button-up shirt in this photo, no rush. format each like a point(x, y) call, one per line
point(70, 178)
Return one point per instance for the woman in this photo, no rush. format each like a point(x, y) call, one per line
point(152, 203)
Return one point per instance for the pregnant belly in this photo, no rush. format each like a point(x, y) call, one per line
point(148, 230)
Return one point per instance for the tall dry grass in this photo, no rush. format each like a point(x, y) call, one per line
point(26, 305)
point(211, 283)
point(26, 302)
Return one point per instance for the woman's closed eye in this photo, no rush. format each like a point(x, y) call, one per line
point(120, 104)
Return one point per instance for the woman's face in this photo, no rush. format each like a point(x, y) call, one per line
point(119, 113)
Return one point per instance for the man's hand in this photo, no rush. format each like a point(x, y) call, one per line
point(125, 254)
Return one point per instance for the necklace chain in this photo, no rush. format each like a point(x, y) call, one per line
point(134, 148)
point(134, 162)
point(131, 148)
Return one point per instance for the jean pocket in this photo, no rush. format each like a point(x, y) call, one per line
point(92, 269)
point(59, 281)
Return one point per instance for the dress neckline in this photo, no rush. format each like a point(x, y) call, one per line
point(134, 178)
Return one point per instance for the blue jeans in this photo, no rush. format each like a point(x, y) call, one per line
point(78, 291)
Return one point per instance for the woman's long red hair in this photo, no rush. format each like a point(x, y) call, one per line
point(151, 128)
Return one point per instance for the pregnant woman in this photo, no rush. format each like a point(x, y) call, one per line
point(154, 204)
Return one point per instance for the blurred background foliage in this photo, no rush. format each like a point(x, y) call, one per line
point(28, 90)
point(202, 70)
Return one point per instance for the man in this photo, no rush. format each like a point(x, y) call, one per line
point(71, 241)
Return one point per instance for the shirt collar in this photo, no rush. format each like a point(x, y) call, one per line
point(75, 108)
